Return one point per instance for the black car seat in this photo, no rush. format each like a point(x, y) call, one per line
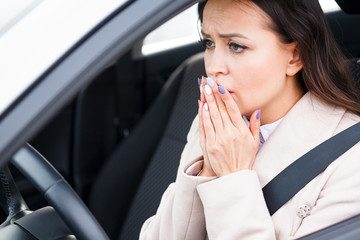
point(95, 110)
point(345, 29)
point(153, 149)
point(104, 112)
point(355, 70)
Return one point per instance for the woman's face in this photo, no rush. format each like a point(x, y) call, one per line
point(248, 59)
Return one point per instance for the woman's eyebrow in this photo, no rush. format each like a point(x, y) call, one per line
point(231, 35)
point(227, 35)
point(205, 34)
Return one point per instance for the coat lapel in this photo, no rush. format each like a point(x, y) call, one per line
point(307, 124)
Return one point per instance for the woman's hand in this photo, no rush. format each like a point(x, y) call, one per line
point(228, 144)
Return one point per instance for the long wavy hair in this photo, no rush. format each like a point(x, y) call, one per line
point(325, 70)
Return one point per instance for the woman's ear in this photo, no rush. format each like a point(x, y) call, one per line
point(295, 64)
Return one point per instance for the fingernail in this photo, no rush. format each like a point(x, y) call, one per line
point(206, 107)
point(210, 82)
point(207, 89)
point(202, 80)
point(258, 115)
point(198, 103)
point(199, 82)
point(221, 89)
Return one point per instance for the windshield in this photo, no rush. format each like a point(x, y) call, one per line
point(34, 34)
point(13, 11)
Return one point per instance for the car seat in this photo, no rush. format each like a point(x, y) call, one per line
point(142, 167)
point(343, 26)
point(95, 110)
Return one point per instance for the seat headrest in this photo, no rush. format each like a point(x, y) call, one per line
point(349, 6)
point(355, 70)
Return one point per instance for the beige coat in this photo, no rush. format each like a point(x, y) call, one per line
point(233, 207)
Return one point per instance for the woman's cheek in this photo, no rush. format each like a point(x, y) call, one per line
point(247, 102)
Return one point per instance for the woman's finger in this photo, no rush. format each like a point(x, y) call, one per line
point(221, 105)
point(201, 84)
point(209, 131)
point(207, 169)
point(201, 126)
point(213, 108)
point(231, 107)
point(255, 126)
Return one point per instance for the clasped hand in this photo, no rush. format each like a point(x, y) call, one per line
point(228, 144)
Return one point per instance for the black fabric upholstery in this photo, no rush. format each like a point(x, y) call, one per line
point(344, 27)
point(349, 6)
point(163, 166)
point(95, 133)
point(154, 145)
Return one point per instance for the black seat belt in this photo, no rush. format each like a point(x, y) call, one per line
point(293, 178)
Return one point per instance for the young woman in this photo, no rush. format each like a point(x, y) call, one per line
point(277, 86)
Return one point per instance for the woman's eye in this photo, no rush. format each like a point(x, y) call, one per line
point(207, 44)
point(236, 47)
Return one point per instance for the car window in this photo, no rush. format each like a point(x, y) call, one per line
point(173, 33)
point(12, 11)
point(329, 5)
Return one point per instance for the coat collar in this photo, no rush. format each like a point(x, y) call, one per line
point(307, 124)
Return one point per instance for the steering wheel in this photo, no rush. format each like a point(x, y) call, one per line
point(55, 190)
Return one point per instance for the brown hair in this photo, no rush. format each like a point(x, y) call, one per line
point(325, 70)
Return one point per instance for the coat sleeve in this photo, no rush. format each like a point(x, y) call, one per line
point(180, 214)
point(235, 207)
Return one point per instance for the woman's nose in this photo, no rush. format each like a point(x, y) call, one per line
point(215, 64)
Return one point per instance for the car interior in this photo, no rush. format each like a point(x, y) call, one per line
point(119, 141)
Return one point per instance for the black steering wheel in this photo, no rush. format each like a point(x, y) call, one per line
point(55, 190)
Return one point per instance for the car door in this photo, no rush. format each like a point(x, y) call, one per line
point(56, 83)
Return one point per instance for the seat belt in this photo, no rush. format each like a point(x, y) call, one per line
point(293, 178)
